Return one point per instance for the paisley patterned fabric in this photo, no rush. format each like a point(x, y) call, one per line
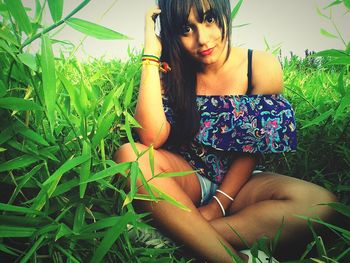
point(236, 124)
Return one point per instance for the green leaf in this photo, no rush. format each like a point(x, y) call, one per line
point(9, 50)
point(330, 53)
point(341, 208)
point(134, 172)
point(111, 235)
point(111, 171)
point(23, 181)
point(19, 14)
point(17, 209)
point(327, 34)
point(94, 30)
point(128, 94)
point(236, 9)
point(3, 89)
point(129, 135)
point(56, 8)
point(85, 168)
point(28, 60)
point(173, 174)
point(103, 130)
point(18, 163)
point(79, 218)
point(7, 134)
point(8, 36)
point(18, 104)
point(6, 250)
point(73, 93)
point(65, 187)
point(319, 119)
point(168, 198)
point(341, 111)
point(49, 79)
point(336, 2)
point(34, 248)
point(16, 231)
point(50, 184)
point(347, 4)
point(63, 231)
point(344, 232)
point(32, 135)
point(339, 61)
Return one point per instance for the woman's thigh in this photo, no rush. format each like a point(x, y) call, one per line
point(164, 161)
point(271, 186)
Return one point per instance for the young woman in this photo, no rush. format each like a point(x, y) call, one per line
point(216, 110)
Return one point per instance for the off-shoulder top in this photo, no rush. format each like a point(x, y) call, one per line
point(236, 124)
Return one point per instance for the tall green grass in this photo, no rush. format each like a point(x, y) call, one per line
point(61, 121)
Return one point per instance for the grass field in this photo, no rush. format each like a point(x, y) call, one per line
point(61, 121)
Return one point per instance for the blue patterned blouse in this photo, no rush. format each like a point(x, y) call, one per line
point(237, 123)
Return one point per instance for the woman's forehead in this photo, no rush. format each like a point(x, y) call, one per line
point(198, 10)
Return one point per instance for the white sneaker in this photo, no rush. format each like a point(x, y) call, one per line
point(262, 257)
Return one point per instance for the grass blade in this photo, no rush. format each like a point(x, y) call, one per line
point(94, 30)
point(49, 79)
point(111, 171)
point(18, 104)
point(16, 231)
point(50, 184)
point(111, 236)
point(236, 9)
point(85, 168)
point(169, 199)
point(17, 163)
point(18, 12)
point(34, 248)
point(56, 8)
point(103, 130)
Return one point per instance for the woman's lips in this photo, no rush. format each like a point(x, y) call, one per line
point(206, 52)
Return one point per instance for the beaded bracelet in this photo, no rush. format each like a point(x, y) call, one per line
point(154, 61)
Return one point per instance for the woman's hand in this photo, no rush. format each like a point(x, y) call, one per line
point(152, 45)
point(210, 211)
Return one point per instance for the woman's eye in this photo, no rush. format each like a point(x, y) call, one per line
point(185, 30)
point(209, 19)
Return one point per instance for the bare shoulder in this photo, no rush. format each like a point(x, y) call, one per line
point(267, 73)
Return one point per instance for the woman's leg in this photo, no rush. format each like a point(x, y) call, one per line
point(267, 199)
point(188, 227)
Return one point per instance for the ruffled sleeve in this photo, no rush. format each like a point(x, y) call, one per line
point(247, 123)
point(169, 113)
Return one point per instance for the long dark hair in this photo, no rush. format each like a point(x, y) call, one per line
point(180, 83)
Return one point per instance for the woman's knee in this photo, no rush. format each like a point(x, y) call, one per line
point(314, 198)
point(126, 152)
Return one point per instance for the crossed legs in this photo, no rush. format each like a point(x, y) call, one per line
point(257, 211)
point(267, 199)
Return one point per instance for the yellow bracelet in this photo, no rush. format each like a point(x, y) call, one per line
point(150, 63)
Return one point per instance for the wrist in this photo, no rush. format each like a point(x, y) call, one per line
point(152, 51)
point(215, 206)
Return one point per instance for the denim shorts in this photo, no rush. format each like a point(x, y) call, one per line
point(208, 188)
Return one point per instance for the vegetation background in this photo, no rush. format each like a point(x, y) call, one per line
point(61, 121)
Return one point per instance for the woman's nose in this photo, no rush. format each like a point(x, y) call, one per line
point(203, 34)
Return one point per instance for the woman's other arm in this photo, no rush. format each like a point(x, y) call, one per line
point(238, 174)
point(149, 109)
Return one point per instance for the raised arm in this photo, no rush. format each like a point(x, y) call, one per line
point(149, 109)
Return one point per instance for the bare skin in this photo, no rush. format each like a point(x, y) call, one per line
point(261, 201)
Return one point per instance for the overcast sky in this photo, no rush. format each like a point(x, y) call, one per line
point(294, 24)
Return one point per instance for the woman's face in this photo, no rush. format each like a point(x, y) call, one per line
point(203, 40)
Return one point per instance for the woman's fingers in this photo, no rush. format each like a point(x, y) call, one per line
point(152, 41)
